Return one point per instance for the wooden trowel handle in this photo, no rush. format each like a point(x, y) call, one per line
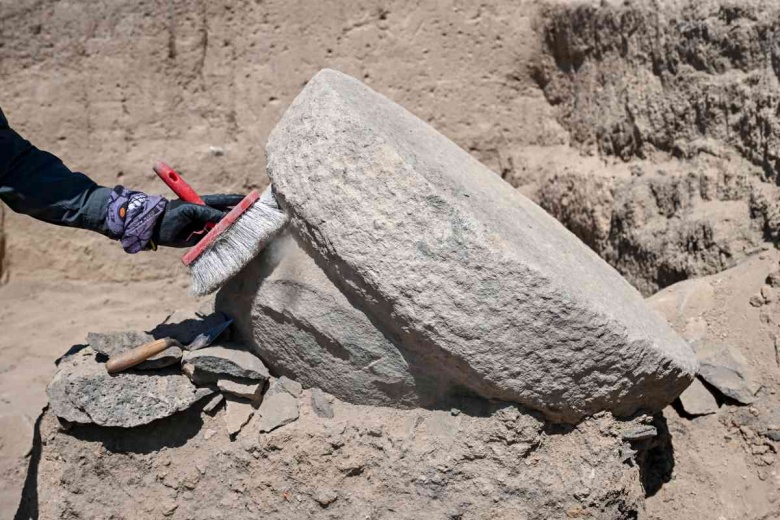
point(132, 357)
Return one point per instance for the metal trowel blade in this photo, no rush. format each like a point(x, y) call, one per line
point(205, 339)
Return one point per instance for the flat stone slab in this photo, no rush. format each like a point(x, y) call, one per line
point(477, 284)
point(112, 343)
point(697, 400)
point(228, 359)
point(83, 392)
point(279, 407)
point(725, 368)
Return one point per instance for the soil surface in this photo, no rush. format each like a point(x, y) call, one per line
point(38, 319)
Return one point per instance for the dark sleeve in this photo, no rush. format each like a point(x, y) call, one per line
point(38, 184)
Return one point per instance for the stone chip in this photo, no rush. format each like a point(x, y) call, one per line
point(279, 407)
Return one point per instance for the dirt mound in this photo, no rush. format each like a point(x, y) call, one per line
point(365, 462)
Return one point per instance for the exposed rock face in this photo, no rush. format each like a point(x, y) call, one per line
point(83, 392)
point(479, 286)
point(685, 91)
point(659, 223)
point(366, 461)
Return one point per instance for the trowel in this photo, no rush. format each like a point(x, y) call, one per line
point(133, 357)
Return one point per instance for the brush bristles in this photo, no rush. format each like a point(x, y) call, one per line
point(236, 247)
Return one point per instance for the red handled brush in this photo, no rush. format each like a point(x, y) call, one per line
point(232, 243)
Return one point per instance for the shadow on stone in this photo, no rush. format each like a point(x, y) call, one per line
point(656, 461)
point(170, 432)
point(75, 349)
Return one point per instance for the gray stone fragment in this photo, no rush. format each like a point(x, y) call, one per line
point(113, 343)
point(697, 400)
point(294, 388)
point(227, 359)
point(252, 391)
point(725, 368)
point(480, 286)
point(83, 392)
point(278, 408)
point(237, 413)
point(320, 404)
point(213, 403)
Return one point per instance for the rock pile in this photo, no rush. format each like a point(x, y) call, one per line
point(83, 392)
point(460, 284)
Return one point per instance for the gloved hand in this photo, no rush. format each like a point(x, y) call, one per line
point(180, 223)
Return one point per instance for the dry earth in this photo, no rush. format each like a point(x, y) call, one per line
point(37, 319)
point(726, 466)
point(648, 128)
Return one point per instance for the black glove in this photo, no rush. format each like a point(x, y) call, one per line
point(181, 222)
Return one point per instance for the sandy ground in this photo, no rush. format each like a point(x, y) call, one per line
point(39, 321)
point(722, 467)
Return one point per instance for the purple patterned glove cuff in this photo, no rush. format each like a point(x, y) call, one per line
point(132, 216)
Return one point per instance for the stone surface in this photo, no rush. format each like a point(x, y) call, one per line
point(639, 433)
point(290, 386)
point(320, 404)
point(83, 392)
point(238, 412)
point(697, 400)
point(252, 391)
point(112, 343)
point(448, 260)
point(279, 407)
point(726, 369)
point(227, 359)
point(303, 327)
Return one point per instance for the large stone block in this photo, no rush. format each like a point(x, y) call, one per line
point(476, 282)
